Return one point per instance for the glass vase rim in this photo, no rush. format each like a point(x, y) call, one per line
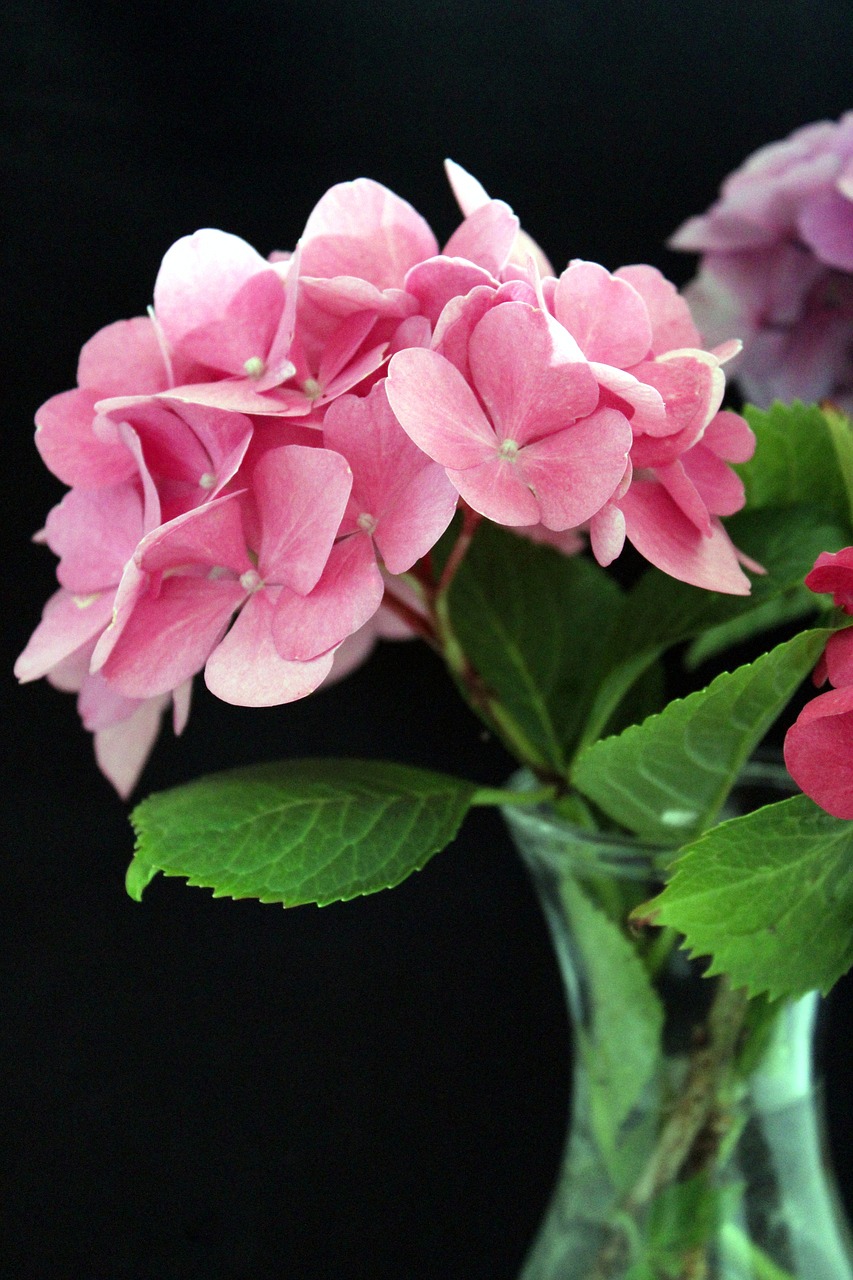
point(618, 852)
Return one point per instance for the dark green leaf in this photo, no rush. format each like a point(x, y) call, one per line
point(667, 778)
point(531, 622)
point(298, 830)
point(769, 897)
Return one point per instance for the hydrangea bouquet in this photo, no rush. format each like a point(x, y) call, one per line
point(289, 458)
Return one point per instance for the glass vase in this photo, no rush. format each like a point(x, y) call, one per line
point(696, 1146)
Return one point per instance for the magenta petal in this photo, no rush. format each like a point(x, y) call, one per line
point(838, 656)
point(438, 410)
point(301, 495)
point(67, 622)
point(198, 277)
point(349, 592)
point(124, 359)
point(667, 539)
point(826, 225)
point(528, 387)
point(246, 669)
point(819, 751)
point(486, 237)
point(604, 314)
point(574, 472)
point(168, 637)
point(70, 448)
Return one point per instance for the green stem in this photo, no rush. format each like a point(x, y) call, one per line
point(497, 796)
point(748, 1255)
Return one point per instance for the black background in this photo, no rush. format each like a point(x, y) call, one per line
point(199, 1088)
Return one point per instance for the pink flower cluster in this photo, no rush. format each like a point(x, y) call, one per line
point(255, 463)
point(778, 266)
point(819, 745)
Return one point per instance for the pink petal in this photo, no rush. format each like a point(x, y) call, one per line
point(486, 237)
point(123, 359)
point(301, 495)
point(607, 533)
point(604, 314)
point(642, 404)
point(362, 229)
point(68, 622)
point(527, 385)
point(244, 330)
point(198, 277)
point(672, 323)
point(574, 472)
point(667, 539)
point(238, 395)
point(94, 532)
point(349, 592)
point(70, 448)
point(246, 669)
point(208, 537)
point(439, 280)
point(438, 410)
point(498, 490)
point(730, 437)
point(469, 193)
point(721, 489)
point(819, 751)
point(412, 525)
point(168, 637)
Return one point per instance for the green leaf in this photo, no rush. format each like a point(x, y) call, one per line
point(298, 830)
point(666, 778)
point(531, 623)
point(841, 432)
point(660, 611)
point(769, 897)
point(795, 460)
point(621, 1039)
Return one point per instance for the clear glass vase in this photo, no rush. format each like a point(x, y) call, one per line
point(696, 1147)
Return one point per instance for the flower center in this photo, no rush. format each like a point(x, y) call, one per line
point(254, 367)
point(206, 480)
point(367, 522)
point(312, 388)
point(251, 580)
point(508, 449)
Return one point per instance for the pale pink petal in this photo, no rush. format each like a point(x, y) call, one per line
point(470, 194)
point(169, 636)
point(123, 359)
point(342, 296)
point(68, 622)
point(412, 525)
point(486, 237)
point(238, 395)
point(349, 592)
point(667, 539)
point(604, 314)
point(246, 669)
point(685, 495)
point(438, 410)
point(362, 229)
point(198, 277)
point(607, 533)
point(122, 749)
point(239, 339)
point(574, 472)
point(730, 437)
point(70, 448)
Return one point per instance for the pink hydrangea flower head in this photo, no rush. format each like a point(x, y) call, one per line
point(522, 439)
point(777, 266)
point(833, 572)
